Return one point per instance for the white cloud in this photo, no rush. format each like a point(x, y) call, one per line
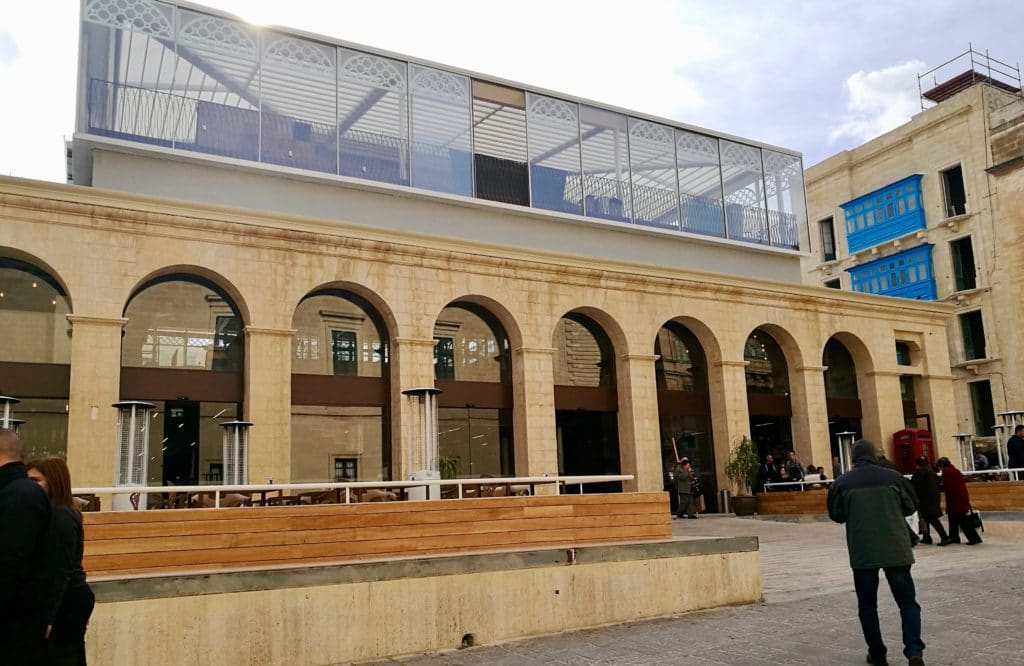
point(8, 48)
point(879, 101)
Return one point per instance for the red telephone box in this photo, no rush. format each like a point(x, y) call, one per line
point(908, 445)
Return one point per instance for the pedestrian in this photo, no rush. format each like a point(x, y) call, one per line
point(872, 501)
point(1015, 449)
point(837, 467)
point(885, 462)
point(928, 489)
point(958, 503)
point(768, 473)
point(73, 599)
point(26, 569)
point(980, 462)
point(684, 488)
point(794, 467)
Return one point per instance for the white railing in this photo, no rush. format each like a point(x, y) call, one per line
point(1014, 474)
point(788, 485)
point(349, 490)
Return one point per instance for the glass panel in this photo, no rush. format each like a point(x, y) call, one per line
point(766, 365)
point(606, 185)
point(297, 88)
point(652, 167)
point(472, 346)
point(784, 181)
point(181, 324)
point(476, 442)
point(45, 430)
point(840, 372)
point(217, 84)
point(700, 184)
point(33, 315)
point(130, 67)
point(554, 143)
point(744, 193)
point(320, 435)
point(373, 117)
point(692, 435)
point(336, 334)
point(499, 144)
point(584, 356)
point(186, 442)
point(441, 117)
point(681, 366)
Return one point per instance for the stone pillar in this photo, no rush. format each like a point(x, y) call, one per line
point(639, 432)
point(810, 416)
point(881, 406)
point(533, 412)
point(268, 402)
point(935, 396)
point(730, 414)
point(414, 359)
point(95, 386)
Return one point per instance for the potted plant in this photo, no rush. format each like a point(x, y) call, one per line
point(742, 469)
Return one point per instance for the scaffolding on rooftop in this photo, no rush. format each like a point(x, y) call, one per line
point(981, 68)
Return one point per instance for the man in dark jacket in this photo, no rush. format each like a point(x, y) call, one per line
point(1015, 449)
point(684, 488)
point(769, 473)
point(26, 562)
point(872, 501)
point(928, 490)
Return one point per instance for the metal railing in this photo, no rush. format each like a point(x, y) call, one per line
point(1014, 474)
point(785, 485)
point(349, 491)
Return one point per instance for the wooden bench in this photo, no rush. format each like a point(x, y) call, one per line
point(791, 502)
point(985, 496)
point(154, 542)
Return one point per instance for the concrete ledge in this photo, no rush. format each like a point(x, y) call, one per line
point(350, 612)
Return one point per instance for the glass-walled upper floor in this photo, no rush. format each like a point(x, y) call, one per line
point(173, 76)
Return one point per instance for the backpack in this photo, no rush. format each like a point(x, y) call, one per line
point(695, 488)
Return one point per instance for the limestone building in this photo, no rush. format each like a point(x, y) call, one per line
point(293, 230)
point(929, 212)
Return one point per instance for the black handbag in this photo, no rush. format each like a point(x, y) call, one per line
point(973, 518)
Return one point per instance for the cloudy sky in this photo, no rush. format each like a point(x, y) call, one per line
point(817, 76)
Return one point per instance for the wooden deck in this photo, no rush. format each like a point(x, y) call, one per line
point(154, 542)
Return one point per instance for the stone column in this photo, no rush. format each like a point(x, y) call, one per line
point(730, 414)
point(810, 416)
point(414, 359)
point(639, 433)
point(533, 413)
point(936, 398)
point(881, 406)
point(268, 402)
point(95, 386)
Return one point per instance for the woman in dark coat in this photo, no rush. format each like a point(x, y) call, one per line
point(958, 503)
point(73, 599)
point(926, 485)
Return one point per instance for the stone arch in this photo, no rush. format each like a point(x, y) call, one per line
point(791, 349)
point(383, 310)
point(169, 273)
point(499, 311)
point(611, 327)
point(45, 269)
point(862, 358)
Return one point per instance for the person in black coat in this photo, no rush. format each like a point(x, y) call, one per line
point(1015, 449)
point(73, 599)
point(929, 491)
point(26, 562)
point(769, 473)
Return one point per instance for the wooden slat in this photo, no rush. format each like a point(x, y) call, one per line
point(202, 539)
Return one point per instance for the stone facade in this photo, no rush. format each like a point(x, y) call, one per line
point(978, 130)
point(102, 245)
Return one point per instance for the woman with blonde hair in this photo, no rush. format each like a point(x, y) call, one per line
point(73, 600)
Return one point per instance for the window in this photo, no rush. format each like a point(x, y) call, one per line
point(499, 144)
point(344, 353)
point(444, 358)
point(890, 212)
point(974, 335)
point(981, 407)
point(964, 274)
point(903, 354)
point(828, 239)
point(834, 284)
point(906, 274)
point(346, 469)
point(953, 189)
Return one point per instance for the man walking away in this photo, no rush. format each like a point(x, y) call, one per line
point(1015, 450)
point(684, 488)
point(872, 501)
point(928, 491)
point(26, 558)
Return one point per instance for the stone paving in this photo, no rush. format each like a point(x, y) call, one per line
point(972, 600)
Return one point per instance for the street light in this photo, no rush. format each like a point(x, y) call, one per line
point(132, 449)
point(426, 418)
point(965, 450)
point(7, 404)
point(236, 452)
point(845, 440)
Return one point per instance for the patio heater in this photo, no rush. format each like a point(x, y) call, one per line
point(7, 404)
point(15, 425)
point(236, 452)
point(1002, 433)
point(132, 450)
point(1011, 420)
point(423, 458)
point(965, 450)
point(845, 442)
